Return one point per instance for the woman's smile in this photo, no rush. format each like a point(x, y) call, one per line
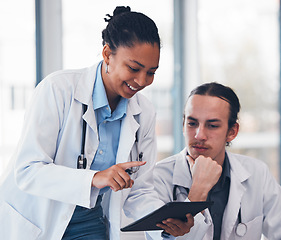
point(131, 87)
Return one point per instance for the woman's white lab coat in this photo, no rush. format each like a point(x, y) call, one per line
point(252, 188)
point(39, 191)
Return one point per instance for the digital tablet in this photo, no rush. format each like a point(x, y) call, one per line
point(176, 210)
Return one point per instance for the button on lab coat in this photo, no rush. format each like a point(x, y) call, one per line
point(252, 188)
point(39, 191)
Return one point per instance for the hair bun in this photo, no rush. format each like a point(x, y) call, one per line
point(117, 11)
point(122, 9)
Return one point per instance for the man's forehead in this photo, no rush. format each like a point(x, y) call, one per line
point(209, 106)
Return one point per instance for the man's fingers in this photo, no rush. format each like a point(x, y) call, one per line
point(177, 227)
point(171, 229)
point(190, 220)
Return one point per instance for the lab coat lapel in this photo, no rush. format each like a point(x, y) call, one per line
point(83, 94)
point(92, 139)
point(238, 175)
point(129, 127)
point(182, 176)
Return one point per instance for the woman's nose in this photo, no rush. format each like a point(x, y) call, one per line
point(141, 80)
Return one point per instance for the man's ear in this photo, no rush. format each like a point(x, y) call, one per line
point(106, 52)
point(232, 132)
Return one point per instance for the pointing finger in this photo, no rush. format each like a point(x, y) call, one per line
point(127, 165)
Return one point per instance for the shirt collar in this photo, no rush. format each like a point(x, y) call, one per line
point(225, 175)
point(226, 166)
point(100, 98)
point(121, 109)
point(99, 94)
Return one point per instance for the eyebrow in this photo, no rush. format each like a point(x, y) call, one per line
point(141, 65)
point(210, 120)
point(191, 118)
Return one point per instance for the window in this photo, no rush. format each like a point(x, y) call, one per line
point(17, 76)
point(239, 47)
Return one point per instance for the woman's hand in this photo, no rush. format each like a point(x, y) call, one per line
point(115, 177)
point(177, 227)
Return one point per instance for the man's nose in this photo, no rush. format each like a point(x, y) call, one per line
point(201, 133)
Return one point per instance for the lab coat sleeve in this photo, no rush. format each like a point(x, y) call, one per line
point(201, 225)
point(142, 198)
point(163, 177)
point(142, 193)
point(272, 206)
point(35, 169)
point(202, 222)
point(163, 181)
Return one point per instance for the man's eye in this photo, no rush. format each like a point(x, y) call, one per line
point(213, 126)
point(192, 124)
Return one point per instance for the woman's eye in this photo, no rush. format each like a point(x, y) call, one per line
point(151, 73)
point(133, 69)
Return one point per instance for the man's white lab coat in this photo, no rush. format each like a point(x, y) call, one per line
point(252, 188)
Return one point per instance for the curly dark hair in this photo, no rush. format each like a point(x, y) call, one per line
point(125, 28)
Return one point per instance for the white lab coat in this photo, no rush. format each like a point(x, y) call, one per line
point(39, 191)
point(252, 188)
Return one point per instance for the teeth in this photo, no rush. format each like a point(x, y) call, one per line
point(132, 88)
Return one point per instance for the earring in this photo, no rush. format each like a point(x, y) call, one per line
point(106, 68)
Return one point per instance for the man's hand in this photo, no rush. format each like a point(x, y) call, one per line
point(205, 174)
point(177, 227)
point(115, 177)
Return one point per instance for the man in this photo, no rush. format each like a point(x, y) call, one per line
point(247, 198)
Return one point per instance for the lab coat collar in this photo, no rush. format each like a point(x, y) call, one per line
point(180, 178)
point(85, 85)
point(83, 94)
point(238, 173)
point(237, 169)
point(129, 125)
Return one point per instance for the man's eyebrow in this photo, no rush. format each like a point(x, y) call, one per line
point(214, 120)
point(191, 118)
point(141, 65)
point(210, 120)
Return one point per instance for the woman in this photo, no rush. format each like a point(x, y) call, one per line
point(44, 195)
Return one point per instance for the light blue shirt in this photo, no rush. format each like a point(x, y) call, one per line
point(109, 125)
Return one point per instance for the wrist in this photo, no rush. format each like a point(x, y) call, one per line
point(197, 194)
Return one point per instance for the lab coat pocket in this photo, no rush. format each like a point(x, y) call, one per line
point(252, 231)
point(14, 225)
